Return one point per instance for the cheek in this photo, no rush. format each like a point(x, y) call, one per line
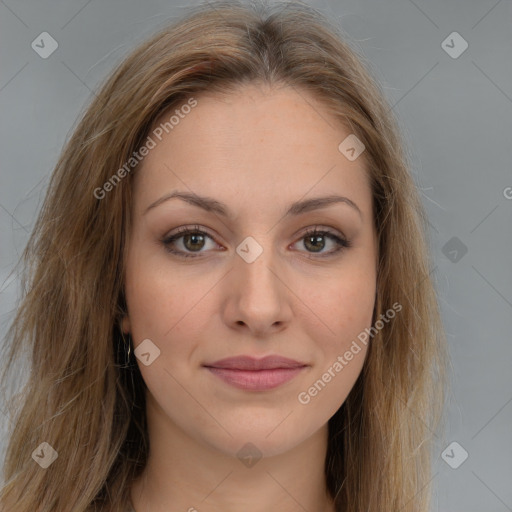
point(166, 306)
point(154, 296)
point(354, 307)
point(151, 301)
point(345, 309)
point(342, 306)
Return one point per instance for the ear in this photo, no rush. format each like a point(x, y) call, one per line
point(125, 324)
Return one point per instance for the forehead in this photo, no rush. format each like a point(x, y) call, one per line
point(255, 145)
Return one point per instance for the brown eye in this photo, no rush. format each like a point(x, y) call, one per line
point(315, 242)
point(193, 240)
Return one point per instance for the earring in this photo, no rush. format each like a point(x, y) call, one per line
point(127, 349)
point(129, 376)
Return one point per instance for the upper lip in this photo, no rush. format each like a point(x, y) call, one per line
point(252, 363)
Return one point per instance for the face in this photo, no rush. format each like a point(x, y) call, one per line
point(250, 278)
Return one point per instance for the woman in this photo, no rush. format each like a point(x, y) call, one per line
point(228, 297)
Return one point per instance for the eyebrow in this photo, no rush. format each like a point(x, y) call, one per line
point(211, 205)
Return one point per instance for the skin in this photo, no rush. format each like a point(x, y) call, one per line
point(257, 150)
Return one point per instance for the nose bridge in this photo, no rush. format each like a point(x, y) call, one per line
point(258, 290)
point(255, 267)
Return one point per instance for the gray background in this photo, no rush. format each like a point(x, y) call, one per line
point(456, 118)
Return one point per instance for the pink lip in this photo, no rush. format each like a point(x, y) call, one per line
point(248, 373)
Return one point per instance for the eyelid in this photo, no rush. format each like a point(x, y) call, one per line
point(322, 228)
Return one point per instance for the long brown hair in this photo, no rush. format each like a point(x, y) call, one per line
point(86, 400)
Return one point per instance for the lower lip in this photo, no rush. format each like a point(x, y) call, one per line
point(259, 380)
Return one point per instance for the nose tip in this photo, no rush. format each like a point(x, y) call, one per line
point(257, 302)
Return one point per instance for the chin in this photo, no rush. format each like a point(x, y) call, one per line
point(266, 439)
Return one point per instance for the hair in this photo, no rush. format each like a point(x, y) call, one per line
point(86, 398)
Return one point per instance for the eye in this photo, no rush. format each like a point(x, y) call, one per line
point(194, 239)
point(315, 240)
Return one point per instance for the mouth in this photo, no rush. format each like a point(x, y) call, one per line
point(249, 373)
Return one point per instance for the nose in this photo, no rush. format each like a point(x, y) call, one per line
point(257, 296)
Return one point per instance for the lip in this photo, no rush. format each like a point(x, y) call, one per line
point(249, 373)
point(252, 363)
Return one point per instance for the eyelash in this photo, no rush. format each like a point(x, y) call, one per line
point(342, 243)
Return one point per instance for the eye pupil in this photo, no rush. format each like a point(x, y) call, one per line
point(315, 239)
point(193, 237)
